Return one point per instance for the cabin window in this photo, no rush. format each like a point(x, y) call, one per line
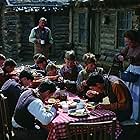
point(124, 21)
point(82, 28)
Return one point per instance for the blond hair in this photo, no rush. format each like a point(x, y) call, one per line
point(89, 58)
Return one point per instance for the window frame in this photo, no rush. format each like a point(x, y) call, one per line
point(124, 23)
point(82, 30)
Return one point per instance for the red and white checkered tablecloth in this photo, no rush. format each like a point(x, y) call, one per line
point(57, 128)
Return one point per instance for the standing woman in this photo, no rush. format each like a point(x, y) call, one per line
point(132, 53)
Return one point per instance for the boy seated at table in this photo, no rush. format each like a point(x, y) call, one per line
point(112, 87)
point(35, 66)
point(8, 67)
point(41, 63)
point(70, 69)
point(26, 78)
point(90, 66)
point(53, 74)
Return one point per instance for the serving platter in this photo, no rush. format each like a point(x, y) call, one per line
point(78, 113)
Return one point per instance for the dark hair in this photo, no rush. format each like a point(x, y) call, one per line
point(10, 62)
point(47, 85)
point(133, 35)
point(95, 78)
point(70, 55)
point(26, 74)
point(41, 58)
point(36, 56)
point(50, 67)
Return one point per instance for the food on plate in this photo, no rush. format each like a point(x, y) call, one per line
point(90, 105)
point(72, 104)
point(52, 100)
point(78, 113)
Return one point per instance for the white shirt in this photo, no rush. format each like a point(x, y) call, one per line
point(37, 109)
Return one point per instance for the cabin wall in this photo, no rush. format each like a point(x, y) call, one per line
point(136, 19)
point(60, 33)
point(1, 30)
point(80, 47)
point(102, 30)
point(10, 28)
point(17, 25)
point(106, 35)
point(58, 22)
point(26, 23)
point(16, 28)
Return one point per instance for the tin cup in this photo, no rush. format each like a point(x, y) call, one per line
point(65, 107)
point(42, 42)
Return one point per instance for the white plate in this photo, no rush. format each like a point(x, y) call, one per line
point(78, 113)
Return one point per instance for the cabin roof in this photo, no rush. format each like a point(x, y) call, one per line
point(110, 3)
point(95, 4)
point(121, 3)
point(36, 2)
